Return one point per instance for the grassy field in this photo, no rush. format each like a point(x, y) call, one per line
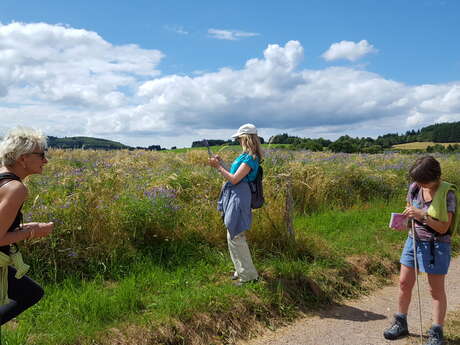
point(419, 145)
point(139, 251)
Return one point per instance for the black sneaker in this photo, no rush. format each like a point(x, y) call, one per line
point(435, 336)
point(397, 330)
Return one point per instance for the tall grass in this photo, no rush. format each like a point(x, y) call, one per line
point(109, 206)
point(138, 241)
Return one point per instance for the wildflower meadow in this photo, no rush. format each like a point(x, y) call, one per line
point(139, 249)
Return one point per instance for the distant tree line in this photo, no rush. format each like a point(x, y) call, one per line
point(443, 132)
point(437, 133)
point(219, 142)
point(448, 132)
point(445, 149)
point(343, 144)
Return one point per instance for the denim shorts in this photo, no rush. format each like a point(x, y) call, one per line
point(427, 262)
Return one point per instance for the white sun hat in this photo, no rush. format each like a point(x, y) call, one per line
point(248, 128)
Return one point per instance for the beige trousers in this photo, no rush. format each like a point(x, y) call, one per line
point(241, 257)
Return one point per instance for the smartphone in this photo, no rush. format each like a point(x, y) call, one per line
point(205, 142)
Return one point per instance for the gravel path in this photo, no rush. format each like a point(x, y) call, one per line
point(362, 321)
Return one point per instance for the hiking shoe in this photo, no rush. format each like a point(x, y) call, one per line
point(398, 329)
point(234, 276)
point(435, 336)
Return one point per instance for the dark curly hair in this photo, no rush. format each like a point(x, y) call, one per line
point(425, 170)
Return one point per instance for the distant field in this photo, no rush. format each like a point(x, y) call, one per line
point(217, 149)
point(419, 145)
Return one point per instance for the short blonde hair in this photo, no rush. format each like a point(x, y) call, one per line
point(251, 145)
point(19, 141)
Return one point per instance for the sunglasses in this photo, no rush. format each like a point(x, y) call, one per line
point(41, 154)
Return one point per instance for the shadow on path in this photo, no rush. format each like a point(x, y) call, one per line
point(307, 295)
point(345, 312)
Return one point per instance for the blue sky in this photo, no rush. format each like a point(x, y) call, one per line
point(404, 73)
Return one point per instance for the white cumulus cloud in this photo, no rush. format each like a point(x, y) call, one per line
point(73, 82)
point(56, 64)
point(348, 50)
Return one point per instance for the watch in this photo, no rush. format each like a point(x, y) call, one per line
point(424, 219)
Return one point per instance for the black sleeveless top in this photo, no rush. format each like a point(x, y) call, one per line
point(4, 179)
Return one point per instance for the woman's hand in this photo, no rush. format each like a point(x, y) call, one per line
point(30, 226)
point(41, 230)
point(214, 161)
point(414, 212)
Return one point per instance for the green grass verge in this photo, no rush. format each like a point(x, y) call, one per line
point(360, 230)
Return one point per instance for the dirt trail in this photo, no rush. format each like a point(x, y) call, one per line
point(362, 321)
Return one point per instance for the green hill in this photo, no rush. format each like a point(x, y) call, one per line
point(441, 132)
point(85, 143)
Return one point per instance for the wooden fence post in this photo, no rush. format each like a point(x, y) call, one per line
point(289, 207)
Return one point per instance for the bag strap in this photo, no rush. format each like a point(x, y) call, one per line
point(414, 192)
point(10, 176)
point(7, 177)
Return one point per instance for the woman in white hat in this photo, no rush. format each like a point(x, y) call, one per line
point(235, 200)
point(22, 153)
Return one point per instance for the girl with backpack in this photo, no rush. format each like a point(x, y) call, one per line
point(235, 201)
point(433, 206)
point(22, 153)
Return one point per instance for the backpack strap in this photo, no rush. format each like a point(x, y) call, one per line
point(8, 177)
point(4, 179)
point(414, 192)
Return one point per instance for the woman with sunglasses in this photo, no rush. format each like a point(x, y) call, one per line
point(22, 153)
point(235, 201)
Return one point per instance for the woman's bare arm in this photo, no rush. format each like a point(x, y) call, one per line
point(12, 196)
point(235, 178)
point(438, 226)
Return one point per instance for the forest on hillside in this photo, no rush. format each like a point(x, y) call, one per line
point(437, 133)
